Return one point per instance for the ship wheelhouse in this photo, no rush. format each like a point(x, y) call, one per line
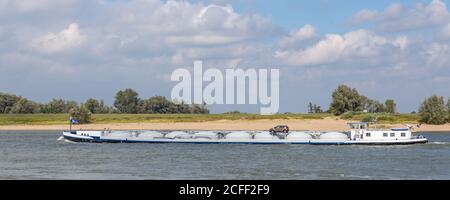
point(361, 131)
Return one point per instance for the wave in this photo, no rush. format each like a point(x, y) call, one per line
point(444, 143)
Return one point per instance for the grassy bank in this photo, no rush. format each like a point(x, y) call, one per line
point(385, 118)
point(54, 119)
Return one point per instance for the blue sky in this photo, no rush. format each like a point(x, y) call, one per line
point(329, 16)
point(81, 49)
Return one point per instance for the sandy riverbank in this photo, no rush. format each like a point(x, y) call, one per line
point(327, 124)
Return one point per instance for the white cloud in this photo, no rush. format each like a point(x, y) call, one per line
point(216, 16)
point(364, 16)
point(398, 18)
point(401, 69)
point(424, 61)
point(21, 7)
point(145, 39)
point(305, 33)
point(441, 80)
point(27, 6)
point(184, 23)
point(394, 10)
point(333, 48)
point(178, 32)
point(445, 32)
point(401, 42)
point(327, 50)
point(202, 39)
point(437, 55)
point(56, 42)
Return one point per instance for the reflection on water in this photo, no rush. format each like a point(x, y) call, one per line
point(39, 155)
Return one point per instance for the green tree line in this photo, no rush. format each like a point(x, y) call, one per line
point(346, 99)
point(433, 110)
point(126, 101)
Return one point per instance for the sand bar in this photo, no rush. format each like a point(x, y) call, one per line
point(327, 124)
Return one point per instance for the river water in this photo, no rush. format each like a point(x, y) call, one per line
point(39, 155)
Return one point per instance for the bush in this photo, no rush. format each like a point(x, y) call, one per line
point(433, 110)
point(25, 106)
point(389, 117)
point(7, 102)
point(368, 118)
point(127, 101)
point(390, 106)
point(350, 115)
point(58, 106)
point(448, 109)
point(81, 114)
point(345, 99)
point(156, 104)
point(232, 112)
point(95, 106)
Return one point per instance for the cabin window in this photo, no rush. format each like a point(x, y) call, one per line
point(368, 134)
point(385, 134)
point(403, 134)
point(392, 134)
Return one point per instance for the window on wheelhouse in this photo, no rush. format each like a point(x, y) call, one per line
point(392, 134)
point(403, 134)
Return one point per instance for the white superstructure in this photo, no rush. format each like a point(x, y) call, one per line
point(360, 131)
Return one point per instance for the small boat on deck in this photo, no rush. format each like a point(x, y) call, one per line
point(359, 134)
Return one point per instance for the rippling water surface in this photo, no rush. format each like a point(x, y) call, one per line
point(38, 155)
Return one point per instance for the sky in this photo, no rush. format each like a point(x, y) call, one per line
point(75, 49)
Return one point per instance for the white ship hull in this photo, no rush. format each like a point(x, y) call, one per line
point(240, 138)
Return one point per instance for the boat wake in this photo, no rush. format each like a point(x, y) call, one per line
point(441, 143)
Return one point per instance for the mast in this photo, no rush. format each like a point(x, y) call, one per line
point(70, 123)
